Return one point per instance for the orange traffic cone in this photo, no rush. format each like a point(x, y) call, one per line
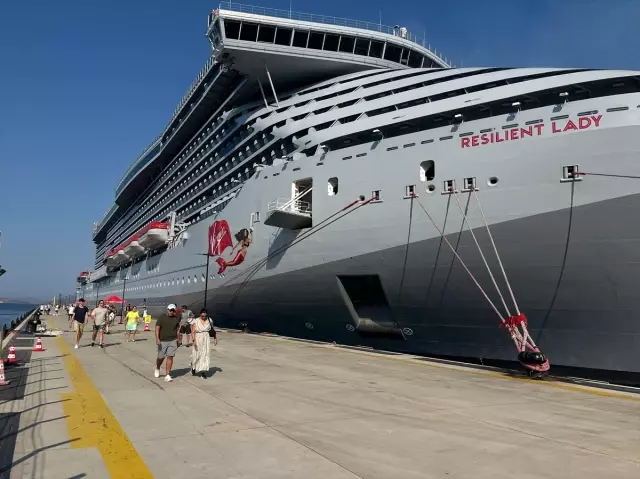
point(11, 357)
point(146, 327)
point(3, 381)
point(38, 346)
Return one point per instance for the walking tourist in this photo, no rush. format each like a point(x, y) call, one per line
point(167, 339)
point(202, 331)
point(110, 318)
point(186, 318)
point(99, 316)
point(71, 310)
point(79, 315)
point(132, 324)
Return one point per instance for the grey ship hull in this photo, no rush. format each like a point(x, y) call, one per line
point(571, 250)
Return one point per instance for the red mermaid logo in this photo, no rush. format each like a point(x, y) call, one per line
point(220, 239)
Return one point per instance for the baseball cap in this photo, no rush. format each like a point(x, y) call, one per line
point(171, 306)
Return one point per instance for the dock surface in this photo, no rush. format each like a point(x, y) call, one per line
point(279, 408)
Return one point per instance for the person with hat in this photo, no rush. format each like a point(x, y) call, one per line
point(167, 339)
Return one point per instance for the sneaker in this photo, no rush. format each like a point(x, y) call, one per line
point(156, 373)
point(193, 372)
point(168, 379)
point(75, 347)
point(102, 346)
point(92, 344)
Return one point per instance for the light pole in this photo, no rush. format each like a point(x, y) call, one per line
point(206, 279)
point(124, 285)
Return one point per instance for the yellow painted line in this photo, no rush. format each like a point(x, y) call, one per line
point(90, 420)
point(462, 369)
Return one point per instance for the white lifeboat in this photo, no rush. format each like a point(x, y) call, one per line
point(121, 256)
point(154, 235)
point(110, 259)
point(132, 248)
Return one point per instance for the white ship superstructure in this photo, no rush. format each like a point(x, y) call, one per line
point(317, 160)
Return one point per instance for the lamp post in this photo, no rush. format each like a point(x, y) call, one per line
point(206, 279)
point(124, 285)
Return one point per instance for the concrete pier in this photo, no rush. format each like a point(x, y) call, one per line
point(279, 408)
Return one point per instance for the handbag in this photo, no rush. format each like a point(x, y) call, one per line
point(212, 332)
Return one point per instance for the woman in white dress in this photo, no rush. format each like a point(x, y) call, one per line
point(200, 330)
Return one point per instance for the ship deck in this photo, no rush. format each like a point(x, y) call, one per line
point(280, 408)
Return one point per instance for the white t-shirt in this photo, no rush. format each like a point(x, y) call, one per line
point(71, 310)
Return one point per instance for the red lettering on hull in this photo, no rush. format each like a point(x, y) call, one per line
point(513, 134)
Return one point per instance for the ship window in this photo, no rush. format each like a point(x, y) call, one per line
point(376, 49)
point(300, 38)
point(249, 32)
point(585, 113)
point(232, 29)
point(266, 34)
point(427, 170)
point(315, 40)
point(423, 142)
point(533, 122)
point(618, 108)
point(362, 47)
point(332, 186)
point(392, 53)
point(331, 42)
point(347, 44)
point(376, 195)
point(408, 145)
point(507, 127)
point(415, 60)
point(283, 36)
point(360, 155)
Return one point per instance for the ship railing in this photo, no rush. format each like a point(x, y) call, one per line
point(289, 205)
point(329, 20)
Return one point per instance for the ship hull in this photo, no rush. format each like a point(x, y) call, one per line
point(571, 251)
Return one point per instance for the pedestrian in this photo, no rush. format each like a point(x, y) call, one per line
point(202, 331)
point(186, 318)
point(132, 324)
point(79, 316)
point(167, 339)
point(99, 316)
point(110, 318)
point(56, 310)
point(71, 310)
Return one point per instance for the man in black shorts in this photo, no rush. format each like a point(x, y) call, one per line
point(168, 340)
point(80, 315)
point(186, 318)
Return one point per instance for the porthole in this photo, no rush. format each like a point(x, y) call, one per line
point(493, 181)
point(431, 188)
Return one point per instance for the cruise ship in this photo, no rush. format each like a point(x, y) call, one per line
point(338, 180)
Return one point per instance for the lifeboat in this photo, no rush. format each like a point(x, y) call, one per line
point(83, 277)
point(121, 256)
point(110, 258)
point(154, 235)
point(132, 248)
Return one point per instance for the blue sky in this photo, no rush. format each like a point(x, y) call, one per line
point(85, 86)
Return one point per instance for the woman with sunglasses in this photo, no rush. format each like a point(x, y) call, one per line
point(201, 330)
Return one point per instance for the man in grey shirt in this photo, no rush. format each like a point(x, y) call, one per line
point(186, 318)
point(99, 316)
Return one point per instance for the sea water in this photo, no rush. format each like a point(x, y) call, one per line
point(9, 311)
